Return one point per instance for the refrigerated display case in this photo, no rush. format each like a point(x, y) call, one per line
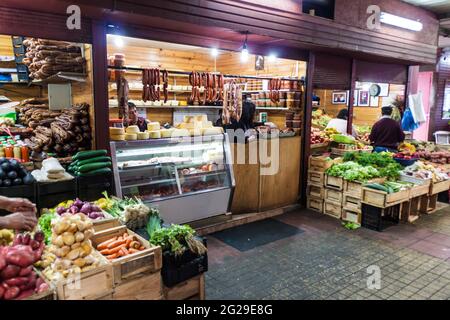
point(186, 178)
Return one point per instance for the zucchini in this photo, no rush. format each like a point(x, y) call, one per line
point(93, 160)
point(377, 186)
point(94, 166)
point(95, 172)
point(83, 155)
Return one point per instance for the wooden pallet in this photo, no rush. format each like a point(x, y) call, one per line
point(315, 191)
point(192, 289)
point(352, 202)
point(316, 178)
point(334, 182)
point(124, 268)
point(315, 204)
point(332, 209)
point(381, 199)
point(333, 195)
point(351, 215)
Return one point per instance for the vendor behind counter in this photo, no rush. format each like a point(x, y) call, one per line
point(134, 119)
point(246, 122)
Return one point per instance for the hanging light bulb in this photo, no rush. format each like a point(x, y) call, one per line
point(214, 52)
point(272, 57)
point(244, 51)
point(118, 41)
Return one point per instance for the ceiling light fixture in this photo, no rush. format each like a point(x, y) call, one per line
point(272, 57)
point(214, 52)
point(400, 22)
point(244, 51)
point(118, 41)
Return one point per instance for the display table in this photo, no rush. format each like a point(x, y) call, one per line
point(255, 192)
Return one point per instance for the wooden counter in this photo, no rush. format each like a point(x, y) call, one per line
point(258, 192)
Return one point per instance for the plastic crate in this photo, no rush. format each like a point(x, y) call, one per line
point(178, 269)
point(378, 219)
point(91, 188)
point(442, 137)
point(49, 194)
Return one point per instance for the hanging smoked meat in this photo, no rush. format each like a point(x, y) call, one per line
point(122, 96)
point(232, 102)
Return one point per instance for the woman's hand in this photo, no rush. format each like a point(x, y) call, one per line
point(20, 221)
point(17, 205)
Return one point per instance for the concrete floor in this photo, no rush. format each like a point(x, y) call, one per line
point(327, 261)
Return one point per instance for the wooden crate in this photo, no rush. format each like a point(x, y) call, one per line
point(351, 215)
point(381, 199)
point(332, 209)
point(193, 288)
point(90, 285)
point(315, 191)
point(419, 190)
point(315, 204)
point(50, 294)
point(333, 195)
point(352, 202)
point(109, 296)
point(319, 163)
point(334, 182)
point(147, 286)
point(148, 260)
point(439, 187)
point(353, 188)
point(410, 210)
point(105, 224)
point(428, 203)
point(316, 178)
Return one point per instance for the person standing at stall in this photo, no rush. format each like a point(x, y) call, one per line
point(386, 133)
point(134, 119)
point(340, 123)
point(23, 216)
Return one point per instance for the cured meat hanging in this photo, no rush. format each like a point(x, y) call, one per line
point(122, 96)
point(232, 102)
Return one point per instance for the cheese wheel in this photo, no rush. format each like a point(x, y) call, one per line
point(116, 131)
point(153, 126)
point(187, 125)
point(155, 134)
point(188, 119)
point(212, 131)
point(133, 129)
point(166, 133)
point(202, 118)
point(208, 124)
point(143, 135)
point(117, 137)
point(130, 136)
point(180, 133)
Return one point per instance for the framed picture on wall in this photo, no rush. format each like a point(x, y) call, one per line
point(446, 107)
point(339, 97)
point(384, 92)
point(363, 98)
point(374, 101)
point(259, 62)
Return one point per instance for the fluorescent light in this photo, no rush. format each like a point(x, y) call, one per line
point(400, 22)
point(214, 52)
point(118, 41)
point(244, 55)
point(272, 57)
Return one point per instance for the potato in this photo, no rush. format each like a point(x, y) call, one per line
point(88, 224)
point(80, 262)
point(58, 241)
point(88, 233)
point(81, 225)
point(61, 227)
point(74, 254)
point(68, 238)
point(62, 252)
point(75, 245)
point(73, 228)
point(79, 236)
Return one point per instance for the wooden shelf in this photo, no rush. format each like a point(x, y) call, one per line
point(175, 107)
point(140, 90)
point(62, 77)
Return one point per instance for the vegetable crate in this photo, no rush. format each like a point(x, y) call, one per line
point(104, 224)
point(332, 209)
point(382, 199)
point(127, 267)
point(419, 190)
point(192, 289)
point(145, 286)
point(353, 188)
point(50, 294)
point(411, 209)
point(316, 178)
point(334, 182)
point(23, 191)
point(90, 285)
point(375, 218)
point(438, 187)
point(49, 194)
point(315, 204)
point(333, 195)
point(351, 215)
point(91, 188)
point(352, 202)
point(315, 191)
point(320, 163)
point(428, 203)
point(176, 270)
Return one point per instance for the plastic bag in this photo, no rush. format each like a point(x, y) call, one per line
point(408, 123)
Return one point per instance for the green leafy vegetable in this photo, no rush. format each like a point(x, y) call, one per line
point(45, 224)
point(154, 222)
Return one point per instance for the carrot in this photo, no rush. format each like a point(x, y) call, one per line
point(132, 250)
point(120, 238)
point(112, 256)
point(141, 248)
point(125, 235)
point(116, 249)
point(125, 251)
point(128, 241)
point(106, 252)
point(104, 244)
point(115, 244)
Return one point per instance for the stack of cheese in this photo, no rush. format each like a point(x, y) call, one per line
point(117, 134)
point(154, 131)
point(197, 125)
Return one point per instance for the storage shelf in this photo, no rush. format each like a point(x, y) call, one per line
point(202, 174)
point(140, 90)
point(176, 107)
point(62, 77)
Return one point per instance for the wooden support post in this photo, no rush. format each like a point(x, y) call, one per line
point(351, 97)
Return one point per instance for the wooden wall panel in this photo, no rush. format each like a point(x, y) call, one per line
point(381, 72)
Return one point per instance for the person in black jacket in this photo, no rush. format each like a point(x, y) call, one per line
point(246, 121)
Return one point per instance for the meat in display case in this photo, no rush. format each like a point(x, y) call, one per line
point(186, 178)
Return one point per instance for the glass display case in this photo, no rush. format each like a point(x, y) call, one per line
point(186, 178)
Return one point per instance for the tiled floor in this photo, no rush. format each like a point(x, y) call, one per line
point(328, 261)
